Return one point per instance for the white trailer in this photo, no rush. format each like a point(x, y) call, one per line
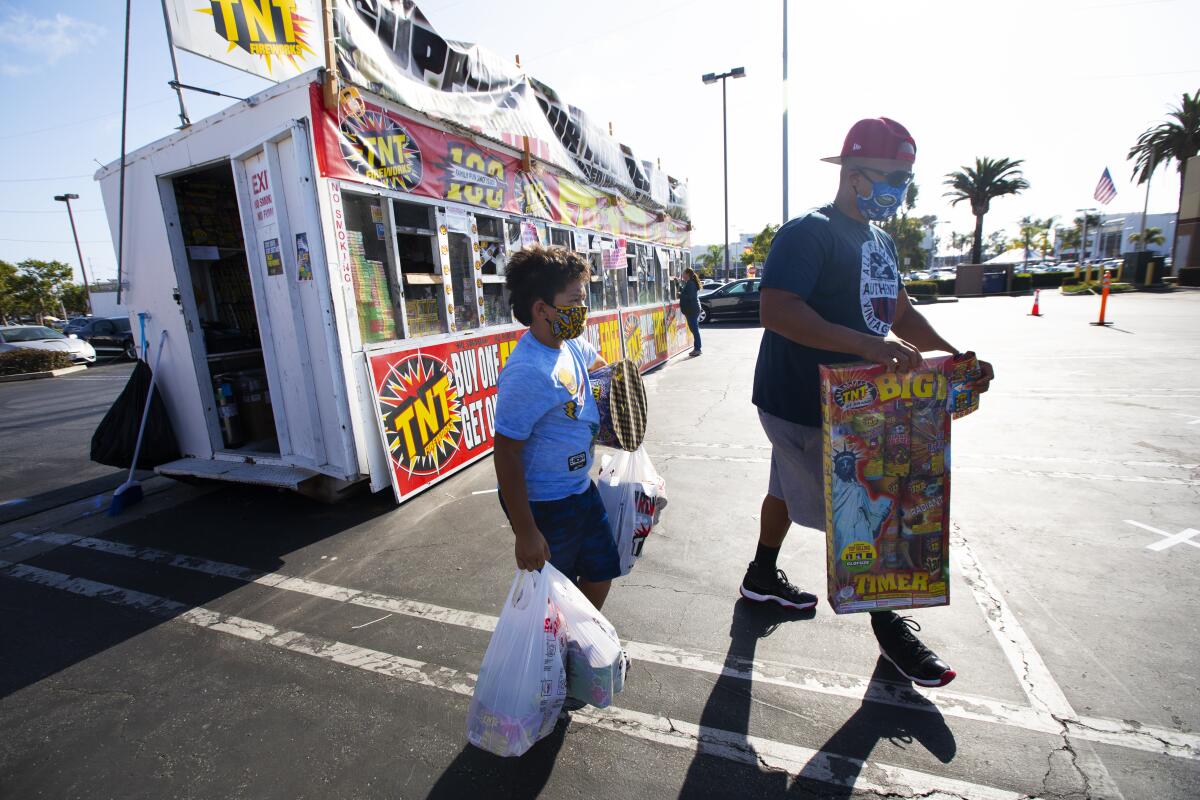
point(306, 277)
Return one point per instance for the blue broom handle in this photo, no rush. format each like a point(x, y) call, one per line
point(137, 449)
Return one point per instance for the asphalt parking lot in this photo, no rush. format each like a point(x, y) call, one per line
point(245, 643)
point(47, 427)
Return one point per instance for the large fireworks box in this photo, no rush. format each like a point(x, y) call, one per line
point(887, 480)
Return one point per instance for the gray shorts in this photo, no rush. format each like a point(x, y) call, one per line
point(796, 475)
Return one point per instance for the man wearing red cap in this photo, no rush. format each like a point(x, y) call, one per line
point(831, 292)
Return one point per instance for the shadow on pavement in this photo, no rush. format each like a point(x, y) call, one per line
point(48, 630)
point(729, 707)
point(476, 773)
point(19, 508)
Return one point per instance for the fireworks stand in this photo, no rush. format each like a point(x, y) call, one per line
point(332, 281)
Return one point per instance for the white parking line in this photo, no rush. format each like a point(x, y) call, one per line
point(1185, 536)
point(1120, 733)
point(1043, 691)
point(865, 776)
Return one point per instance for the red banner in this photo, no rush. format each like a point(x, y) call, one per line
point(373, 144)
point(436, 404)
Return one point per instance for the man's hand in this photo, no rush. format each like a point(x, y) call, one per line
point(985, 379)
point(531, 550)
point(895, 354)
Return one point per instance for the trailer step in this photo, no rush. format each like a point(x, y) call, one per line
point(281, 477)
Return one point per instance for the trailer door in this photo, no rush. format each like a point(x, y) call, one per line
point(288, 272)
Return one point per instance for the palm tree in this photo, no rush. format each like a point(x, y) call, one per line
point(1154, 236)
point(990, 178)
point(1067, 239)
point(1087, 223)
point(1178, 140)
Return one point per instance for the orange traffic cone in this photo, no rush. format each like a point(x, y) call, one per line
point(1103, 301)
point(1036, 294)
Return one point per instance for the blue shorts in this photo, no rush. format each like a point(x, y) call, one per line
point(580, 539)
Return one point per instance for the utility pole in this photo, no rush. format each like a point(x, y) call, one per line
point(785, 113)
point(736, 72)
point(87, 291)
point(1146, 205)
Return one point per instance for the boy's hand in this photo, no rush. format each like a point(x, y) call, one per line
point(531, 550)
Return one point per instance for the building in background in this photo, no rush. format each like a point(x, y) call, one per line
point(1111, 239)
point(104, 300)
point(1187, 234)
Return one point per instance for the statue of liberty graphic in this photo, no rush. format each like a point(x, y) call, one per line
point(856, 517)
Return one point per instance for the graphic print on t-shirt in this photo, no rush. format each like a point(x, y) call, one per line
point(878, 287)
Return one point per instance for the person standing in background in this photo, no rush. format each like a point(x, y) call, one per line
point(689, 305)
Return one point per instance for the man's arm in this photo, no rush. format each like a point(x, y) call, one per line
point(531, 549)
point(911, 326)
point(787, 314)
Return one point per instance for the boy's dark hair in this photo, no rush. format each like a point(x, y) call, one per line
point(539, 273)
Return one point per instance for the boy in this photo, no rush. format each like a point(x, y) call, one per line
point(546, 425)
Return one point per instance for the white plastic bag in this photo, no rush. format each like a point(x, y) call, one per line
point(634, 495)
point(522, 681)
point(596, 664)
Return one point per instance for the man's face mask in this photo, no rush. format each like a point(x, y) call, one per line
point(570, 322)
point(886, 196)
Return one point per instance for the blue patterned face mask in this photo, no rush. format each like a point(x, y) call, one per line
point(886, 196)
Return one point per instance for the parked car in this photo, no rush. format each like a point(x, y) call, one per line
point(39, 337)
point(708, 284)
point(76, 324)
point(737, 299)
point(110, 335)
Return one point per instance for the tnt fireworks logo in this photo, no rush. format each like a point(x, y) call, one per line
point(266, 28)
point(378, 147)
point(855, 394)
point(421, 413)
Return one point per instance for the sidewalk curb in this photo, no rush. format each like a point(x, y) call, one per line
point(33, 376)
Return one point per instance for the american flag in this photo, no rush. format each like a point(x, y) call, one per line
point(1105, 191)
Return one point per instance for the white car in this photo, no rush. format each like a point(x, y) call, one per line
point(37, 337)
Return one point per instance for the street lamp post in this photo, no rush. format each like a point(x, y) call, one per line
point(87, 291)
point(736, 72)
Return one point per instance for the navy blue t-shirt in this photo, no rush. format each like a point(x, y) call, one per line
point(846, 271)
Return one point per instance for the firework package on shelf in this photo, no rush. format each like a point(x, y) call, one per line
point(634, 496)
point(887, 480)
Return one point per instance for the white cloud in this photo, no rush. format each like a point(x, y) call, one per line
point(15, 70)
point(47, 38)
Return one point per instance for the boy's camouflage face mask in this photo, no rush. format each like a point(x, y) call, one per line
point(570, 322)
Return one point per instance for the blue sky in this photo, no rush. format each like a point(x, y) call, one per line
point(1066, 85)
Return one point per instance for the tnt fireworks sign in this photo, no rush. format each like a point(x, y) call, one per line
point(274, 39)
point(437, 406)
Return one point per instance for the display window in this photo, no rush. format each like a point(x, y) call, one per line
point(462, 282)
point(490, 234)
point(370, 267)
point(421, 274)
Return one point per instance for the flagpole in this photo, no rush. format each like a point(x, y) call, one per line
point(331, 79)
point(183, 115)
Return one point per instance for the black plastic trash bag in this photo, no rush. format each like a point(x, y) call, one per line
point(116, 435)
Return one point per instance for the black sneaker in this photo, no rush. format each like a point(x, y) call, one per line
point(905, 652)
point(761, 586)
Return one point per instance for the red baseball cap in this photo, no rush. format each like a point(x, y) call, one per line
point(879, 138)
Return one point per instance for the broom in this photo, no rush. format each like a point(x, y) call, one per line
point(130, 493)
